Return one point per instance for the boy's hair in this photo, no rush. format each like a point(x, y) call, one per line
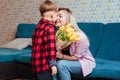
point(47, 6)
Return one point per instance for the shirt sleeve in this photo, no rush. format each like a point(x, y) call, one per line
point(51, 47)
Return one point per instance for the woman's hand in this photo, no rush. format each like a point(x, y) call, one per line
point(66, 57)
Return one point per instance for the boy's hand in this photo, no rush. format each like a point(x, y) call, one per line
point(54, 70)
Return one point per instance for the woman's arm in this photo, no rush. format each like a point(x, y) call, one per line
point(79, 48)
point(66, 57)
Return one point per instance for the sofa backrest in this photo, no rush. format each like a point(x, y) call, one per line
point(25, 30)
point(94, 32)
point(110, 46)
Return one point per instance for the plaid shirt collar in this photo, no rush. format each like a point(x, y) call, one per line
point(47, 21)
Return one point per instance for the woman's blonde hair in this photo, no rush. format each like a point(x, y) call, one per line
point(71, 18)
point(73, 21)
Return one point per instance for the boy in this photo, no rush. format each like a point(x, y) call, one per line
point(43, 43)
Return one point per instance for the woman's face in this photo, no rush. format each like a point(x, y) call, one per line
point(62, 18)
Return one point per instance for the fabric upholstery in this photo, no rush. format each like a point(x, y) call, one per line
point(24, 58)
point(94, 32)
point(8, 55)
point(110, 46)
point(25, 30)
point(106, 69)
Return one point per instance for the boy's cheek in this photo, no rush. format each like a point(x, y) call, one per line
point(58, 24)
point(55, 19)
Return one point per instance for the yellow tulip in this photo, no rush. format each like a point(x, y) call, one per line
point(68, 25)
point(69, 30)
point(72, 30)
point(61, 28)
point(76, 39)
point(69, 34)
point(73, 36)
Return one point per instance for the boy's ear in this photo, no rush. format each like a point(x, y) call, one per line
point(51, 16)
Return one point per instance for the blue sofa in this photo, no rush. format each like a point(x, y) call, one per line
point(8, 57)
point(105, 46)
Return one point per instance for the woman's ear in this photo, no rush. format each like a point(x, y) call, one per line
point(52, 15)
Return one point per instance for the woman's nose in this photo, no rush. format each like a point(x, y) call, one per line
point(58, 17)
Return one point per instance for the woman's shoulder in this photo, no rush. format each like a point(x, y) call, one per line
point(83, 38)
point(82, 35)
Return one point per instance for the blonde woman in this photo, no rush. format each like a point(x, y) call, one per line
point(80, 61)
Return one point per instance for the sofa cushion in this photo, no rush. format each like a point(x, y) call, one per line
point(23, 58)
point(25, 30)
point(18, 43)
point(94, 32)
point(8, 55)
point(106, 69)
point(110, 46)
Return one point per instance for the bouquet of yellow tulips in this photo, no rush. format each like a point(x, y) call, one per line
point(65, 35)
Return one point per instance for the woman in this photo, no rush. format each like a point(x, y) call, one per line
point(80, 61)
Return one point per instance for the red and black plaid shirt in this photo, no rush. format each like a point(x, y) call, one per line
point(43, 46)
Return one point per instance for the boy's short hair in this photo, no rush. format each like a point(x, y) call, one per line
point(47, 6)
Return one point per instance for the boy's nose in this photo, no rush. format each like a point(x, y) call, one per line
point(58, 20)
